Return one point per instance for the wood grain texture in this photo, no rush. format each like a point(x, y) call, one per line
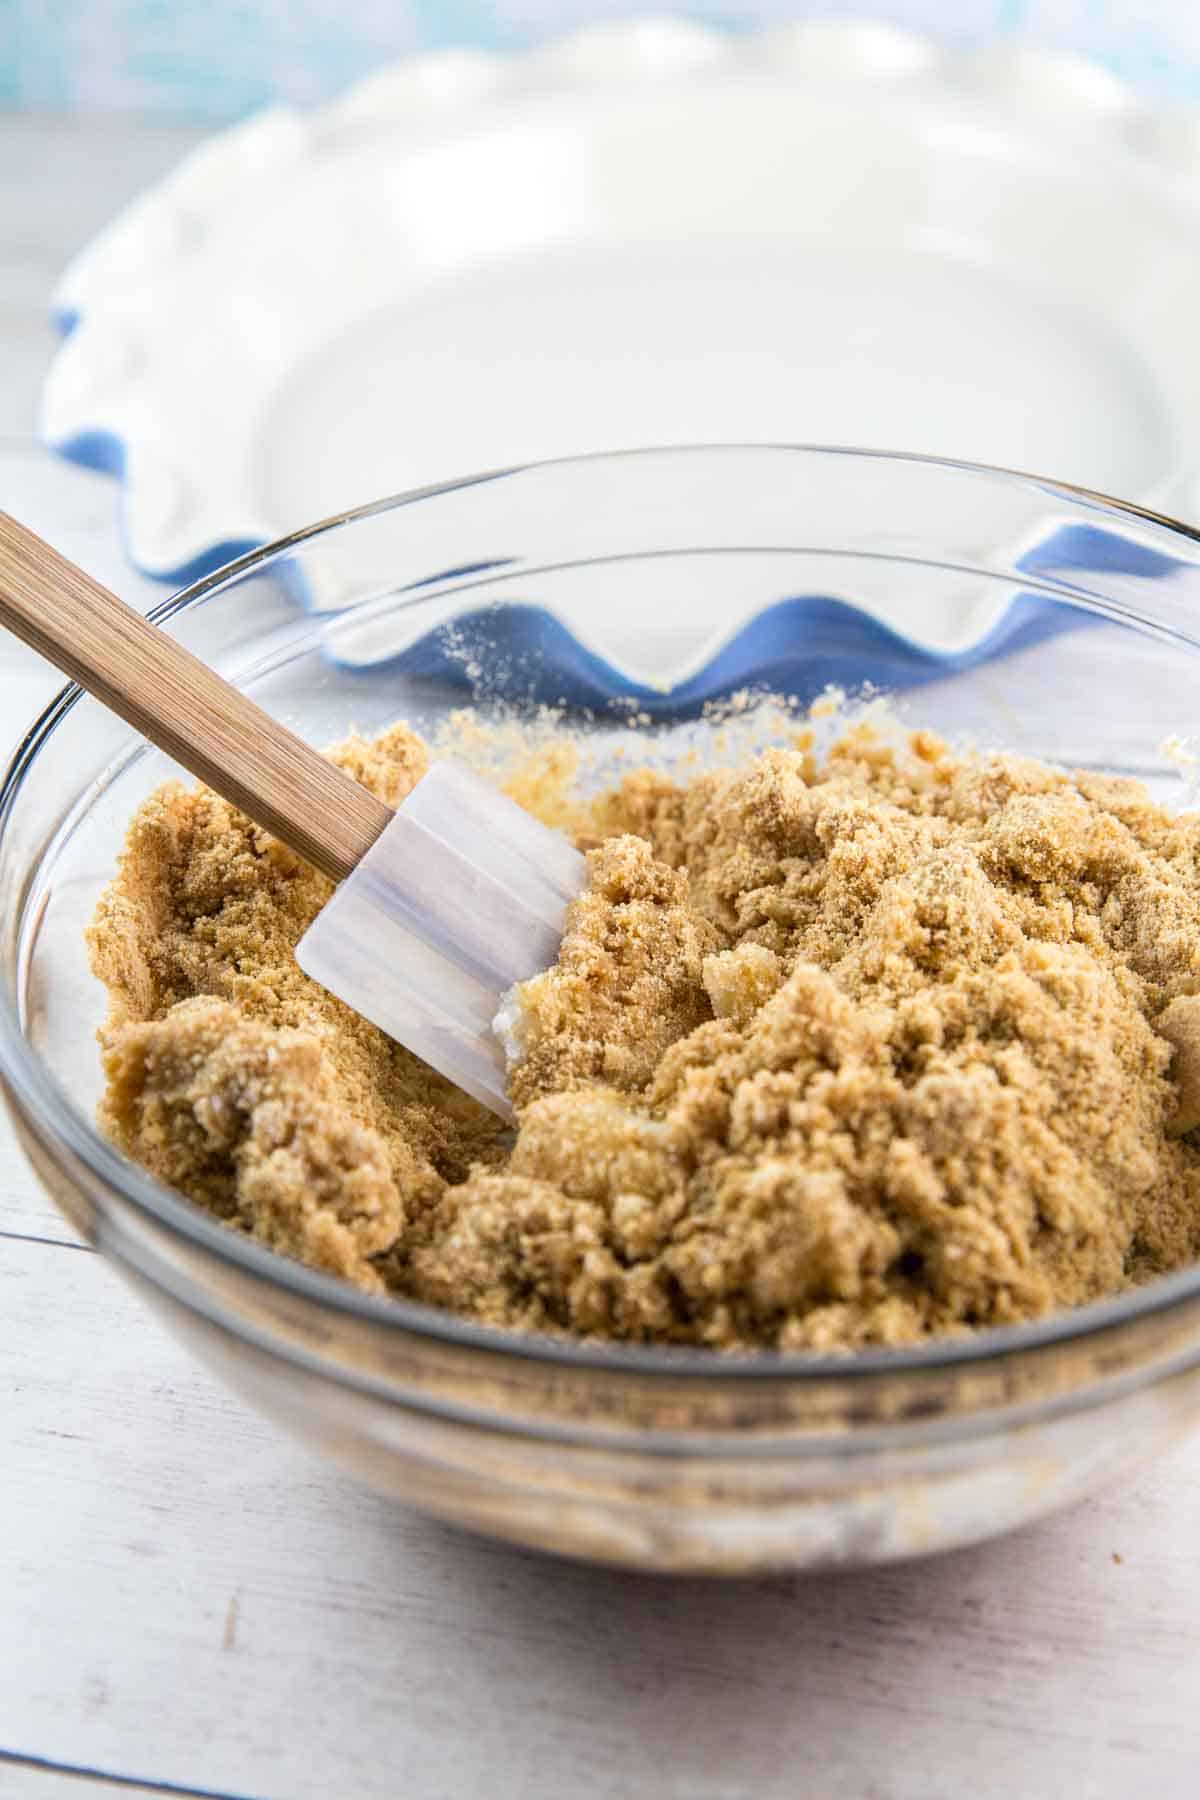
point(187, 1598)
point(197, 1600)
point(183, 706)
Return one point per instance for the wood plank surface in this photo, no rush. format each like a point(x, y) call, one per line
point(196, 1600)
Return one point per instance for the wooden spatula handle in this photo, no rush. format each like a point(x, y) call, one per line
point(183, 706)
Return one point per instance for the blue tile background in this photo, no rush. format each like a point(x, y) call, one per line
point(220, 58)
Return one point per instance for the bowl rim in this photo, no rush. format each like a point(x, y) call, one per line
point(32, 1088)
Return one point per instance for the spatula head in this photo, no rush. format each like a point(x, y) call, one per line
point(462, 896)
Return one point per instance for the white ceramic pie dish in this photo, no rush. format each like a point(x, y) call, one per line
point(648, 233)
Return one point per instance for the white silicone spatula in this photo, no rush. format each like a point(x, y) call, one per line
point(441, 907)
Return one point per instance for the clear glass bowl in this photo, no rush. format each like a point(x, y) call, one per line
point(1027, 614)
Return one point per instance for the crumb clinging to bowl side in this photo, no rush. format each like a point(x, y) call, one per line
point(838, 1051)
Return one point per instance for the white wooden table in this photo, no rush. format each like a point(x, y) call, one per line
point(191, 1605)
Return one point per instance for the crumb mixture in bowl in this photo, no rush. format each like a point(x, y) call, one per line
point(844, 1050)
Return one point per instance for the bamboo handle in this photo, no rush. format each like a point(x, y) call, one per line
point(184, 707)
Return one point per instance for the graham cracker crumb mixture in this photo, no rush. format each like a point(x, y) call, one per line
point(836, 1053)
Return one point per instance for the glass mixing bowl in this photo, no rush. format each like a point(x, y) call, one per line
point(1015, 611)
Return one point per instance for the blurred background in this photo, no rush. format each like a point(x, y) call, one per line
point(869, 228)
point(217, 59)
